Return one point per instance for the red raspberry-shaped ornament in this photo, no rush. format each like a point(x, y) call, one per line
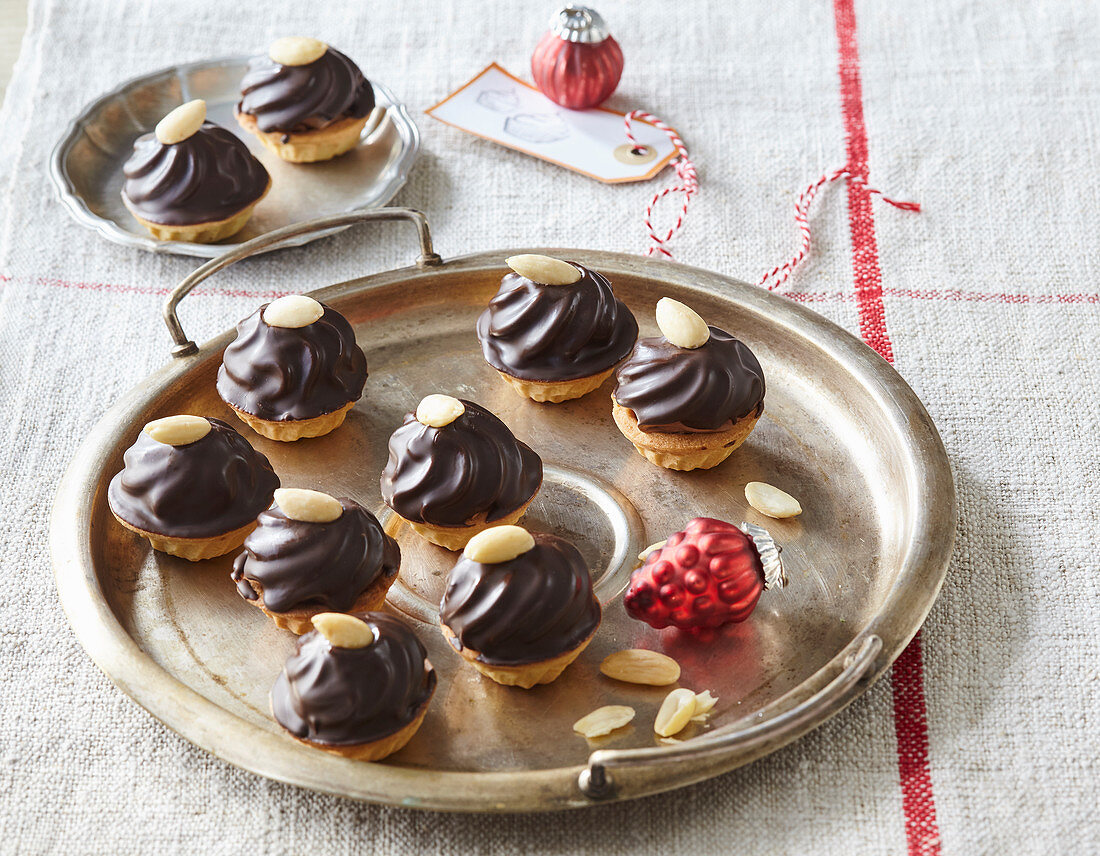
point(708, 575)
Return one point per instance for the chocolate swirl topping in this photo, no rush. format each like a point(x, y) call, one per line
point(209, 487)
point(533, 607)
point(295, 98)
point(690, 390)
point(209, 176)
point(329, 565)
point(448, 476)
point(556, 332)
point(281, 373)
point(345, 696)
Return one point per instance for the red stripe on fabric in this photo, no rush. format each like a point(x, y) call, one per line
point(115, 288)
point(911, 726)
point(818, 297)
point(957, 295)
point(868, 278)
point(907, 679)
point(951, 295)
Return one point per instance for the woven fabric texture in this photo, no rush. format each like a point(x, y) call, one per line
point(984, 738)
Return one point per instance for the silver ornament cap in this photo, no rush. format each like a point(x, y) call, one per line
point(578, 24)
point(768, 550)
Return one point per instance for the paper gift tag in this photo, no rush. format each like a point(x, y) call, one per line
point(498, 106)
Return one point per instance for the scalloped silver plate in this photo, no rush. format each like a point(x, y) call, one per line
point(86, 165)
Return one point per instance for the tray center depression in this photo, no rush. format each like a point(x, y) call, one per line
point(578, 506)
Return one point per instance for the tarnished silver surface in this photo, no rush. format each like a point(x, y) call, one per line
point(86, 165)
point(841, 431)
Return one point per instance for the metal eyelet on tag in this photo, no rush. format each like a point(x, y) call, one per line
point(630, 154)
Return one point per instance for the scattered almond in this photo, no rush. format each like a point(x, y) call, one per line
point(603, 720)
point(642, 556)
point(771, 501)
point(680, 324)
point(438, 411)
point(676, 712)
point(343, 631)
point(178, 430)
point(639, 666)
point(543, 269)
point(704, 706)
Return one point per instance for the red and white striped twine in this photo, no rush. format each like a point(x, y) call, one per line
point(685, 171)
point(782, 272)
point(689, 186)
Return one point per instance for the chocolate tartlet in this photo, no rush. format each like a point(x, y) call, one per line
point(192, 486)
point(555, 330)
point(305, 101)
point(687, 403)
point(455, 469)
point(518, 607)
point(192, 180)
point(314, 553)
point(357, 686)
point(294, 369)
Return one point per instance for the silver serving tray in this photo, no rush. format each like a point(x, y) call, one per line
point(841, 430)
point(86, 164)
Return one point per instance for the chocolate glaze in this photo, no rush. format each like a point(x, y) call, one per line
point(281, 373)
point(447, 476)
point(345, 696)
point(690, 390)
point(295, 98)
point(209, 487)
point(209, 176)
point(534, 607)
point(555, 332)
point(315, 564)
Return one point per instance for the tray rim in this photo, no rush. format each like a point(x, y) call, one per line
point(187, 712)
point(78, 209)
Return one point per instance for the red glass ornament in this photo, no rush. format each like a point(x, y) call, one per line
point(577, 64)
point(712, 573)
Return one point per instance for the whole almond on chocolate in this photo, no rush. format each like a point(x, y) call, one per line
point(681, 324)
point(181, 123)
point(543, 269)
point(343, 631)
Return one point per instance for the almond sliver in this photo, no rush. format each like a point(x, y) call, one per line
point(639, 666)
point(603, 720)
point(676, 712)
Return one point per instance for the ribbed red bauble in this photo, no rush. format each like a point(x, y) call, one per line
point(577, 63)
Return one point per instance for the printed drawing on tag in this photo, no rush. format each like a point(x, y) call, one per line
point(498, 106)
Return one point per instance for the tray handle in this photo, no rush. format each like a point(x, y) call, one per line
point(184, 347)
point(597, 782)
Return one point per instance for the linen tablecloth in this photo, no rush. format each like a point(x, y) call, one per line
point(983, 739)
